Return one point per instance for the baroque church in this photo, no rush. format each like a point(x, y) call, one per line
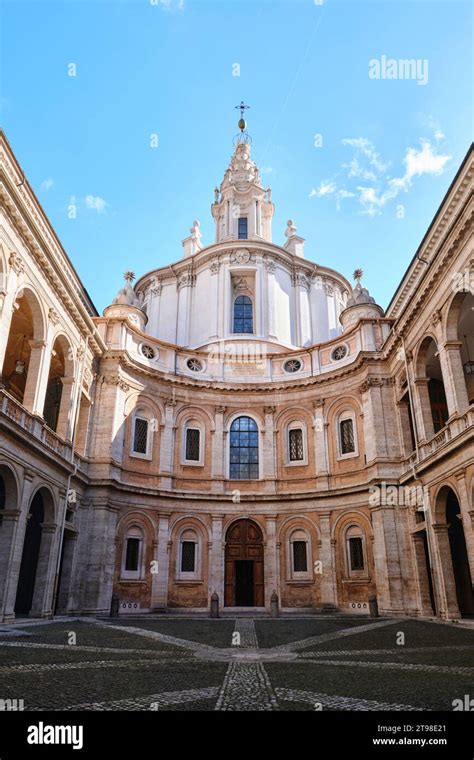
point(241, 422)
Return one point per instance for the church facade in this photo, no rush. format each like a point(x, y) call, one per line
point(240, 422)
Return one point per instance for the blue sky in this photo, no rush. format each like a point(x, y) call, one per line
point(362, 194)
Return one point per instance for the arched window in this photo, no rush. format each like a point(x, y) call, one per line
point(142, 435)
point(346, 433)
point(296, 444)
point(355, 551)
point(299, 555)
point(243, 315)
point(188, 555)
point(132, 553)
point(243, 456)
point(193, 443)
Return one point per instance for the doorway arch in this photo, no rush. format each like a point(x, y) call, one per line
point(458, 549)
point(244, 580)
point(30, 556)
point(33, 584)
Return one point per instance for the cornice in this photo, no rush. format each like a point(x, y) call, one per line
point(453, 205)
point(364, 359)
point(24, 213)
point(269, 252)
point(459, 231)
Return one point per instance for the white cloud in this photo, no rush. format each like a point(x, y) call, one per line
point(169, 5)
point(325, 188)
point(47, 184)
point(366, 148)
point(373, 197)
point(267, 170)
point(434, 125)
point(96, 203)
point(424, 161)
point(356, 170)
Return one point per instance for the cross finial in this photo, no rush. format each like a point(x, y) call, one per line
point(129, 276)
point(358, 274)
point(242, 108)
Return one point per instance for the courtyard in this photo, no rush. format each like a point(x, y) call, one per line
point(236, 664)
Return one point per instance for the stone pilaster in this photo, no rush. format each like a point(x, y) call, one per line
point(268, 464)
point(320, 446)
point(272, 574)
point(216, 560)
point(99, 571)
point(328, 585)
point(218, 451)
point(387, 561)
point(167, 445)
point(423, 588)
point(444, 573)
point(159, 591)
point(42, 604)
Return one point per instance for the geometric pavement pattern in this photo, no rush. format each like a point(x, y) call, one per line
point(248, 676)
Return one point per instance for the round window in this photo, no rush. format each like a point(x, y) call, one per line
point(148, 351)
point(194, 365)
point(292, 365)
point(339, 353)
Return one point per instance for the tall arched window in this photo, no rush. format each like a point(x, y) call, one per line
point(243, 449)
point(243, 315)
point(142, 435)
point(299, 555)
point(193, 444)
point(188, 558)
point(347, 436)
point(132, 553)
point(355, 551)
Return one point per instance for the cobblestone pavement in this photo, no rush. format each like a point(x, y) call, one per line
point(139, 665)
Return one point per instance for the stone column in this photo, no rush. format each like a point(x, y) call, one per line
point(387, 561)
point(328, 586)
point(268, 464)
point(45, 572)
point(63, 427)
point(271, 575)
point(423, 588)
point(167, 446)
point(159, 590)
point(33, 398)
point(320, 446)
point(466, 515)
point(6, 314)
point(453, 376)
point(99, 570)
point(8, 532)
point(404, 429)
point(66, 597)
point(18, 538)
point(216, 559)
point(218, 451)
point(422, 409)
point(443, 567)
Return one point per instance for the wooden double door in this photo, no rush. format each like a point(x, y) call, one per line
point(244, 585)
